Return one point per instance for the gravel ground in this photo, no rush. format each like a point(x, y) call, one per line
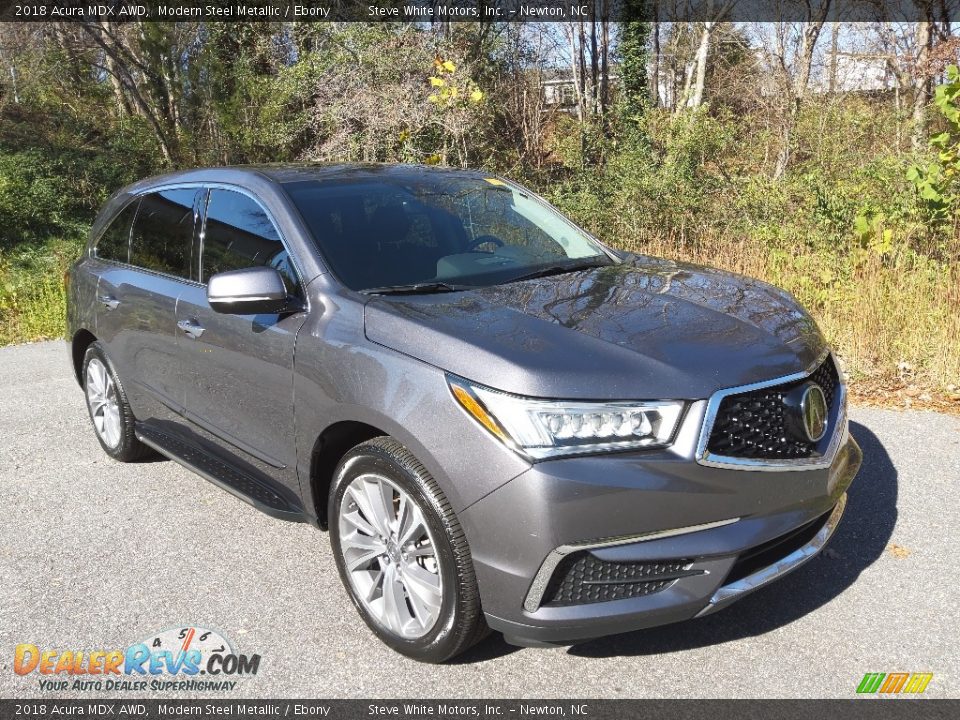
point(95, 554)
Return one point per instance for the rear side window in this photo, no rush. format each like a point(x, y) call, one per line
point(239, 234)
point(114, 243)
point(162, 238)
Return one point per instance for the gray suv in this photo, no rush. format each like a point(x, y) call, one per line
point(501, 422)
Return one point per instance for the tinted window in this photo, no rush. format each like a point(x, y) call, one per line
point(162, 237)
point(239, 234)
point(423, 227)
point(114, 244)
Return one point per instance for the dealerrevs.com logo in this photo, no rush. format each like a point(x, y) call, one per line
point(184, 658)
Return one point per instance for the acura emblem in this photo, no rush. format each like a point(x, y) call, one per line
point(806, 416)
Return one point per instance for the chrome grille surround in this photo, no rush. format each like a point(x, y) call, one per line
point(836, 435)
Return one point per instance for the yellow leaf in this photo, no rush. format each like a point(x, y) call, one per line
point(432, 159)
point(449, 66)
point(433, 99)
point(476, 96)
point(453, 92)
point(437, 82)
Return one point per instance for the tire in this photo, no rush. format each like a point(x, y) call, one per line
point(411, 619)
point(110, 413)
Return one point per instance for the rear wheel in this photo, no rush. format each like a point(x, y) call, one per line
point(402, 554)
point(109, 410)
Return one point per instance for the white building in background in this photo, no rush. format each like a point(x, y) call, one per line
point(560, 92)
point(855, 72)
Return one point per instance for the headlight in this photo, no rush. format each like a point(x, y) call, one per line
point(549, 428)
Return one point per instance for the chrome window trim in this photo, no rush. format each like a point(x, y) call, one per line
point(539, 586)
point(136, 197)
point(726, 594)
point(839, 431)
point(138, 268)
point(218, 185)
point(270, 216)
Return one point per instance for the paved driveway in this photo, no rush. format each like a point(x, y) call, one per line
point(94, 554)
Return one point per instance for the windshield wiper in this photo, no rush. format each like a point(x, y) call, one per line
point(415, 288)
point(558, 270)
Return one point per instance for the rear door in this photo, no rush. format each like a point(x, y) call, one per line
point(137, 295)
point(238, 369)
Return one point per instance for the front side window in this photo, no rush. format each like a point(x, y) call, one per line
point(390, 233)
point(162, 238)
point(114, 243)
point(239, 234)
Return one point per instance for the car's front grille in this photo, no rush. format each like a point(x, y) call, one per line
point(583, 578)
point(752, 424)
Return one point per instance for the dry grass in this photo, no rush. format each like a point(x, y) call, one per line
point(893, 321)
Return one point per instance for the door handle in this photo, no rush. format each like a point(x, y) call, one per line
point(192, 328)
point(109, 302)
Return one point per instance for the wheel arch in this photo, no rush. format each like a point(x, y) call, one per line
point(82, 339)
point(332, 444)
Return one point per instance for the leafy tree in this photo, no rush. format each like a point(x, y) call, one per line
point(634, 56)
point(938, 182)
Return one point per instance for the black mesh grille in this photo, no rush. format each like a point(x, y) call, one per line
point(582, 578)
point(766, 554)
point(751, 424)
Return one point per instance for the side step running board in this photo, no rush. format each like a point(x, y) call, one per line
point(225, 476)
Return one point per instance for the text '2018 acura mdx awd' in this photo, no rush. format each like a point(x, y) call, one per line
point(502, 422)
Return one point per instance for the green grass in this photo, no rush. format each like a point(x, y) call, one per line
point(33, 299)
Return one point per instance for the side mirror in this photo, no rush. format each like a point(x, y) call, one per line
point(251, 291)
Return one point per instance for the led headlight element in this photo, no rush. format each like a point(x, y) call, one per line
point(550, 428)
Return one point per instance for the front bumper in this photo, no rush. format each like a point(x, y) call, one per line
point(732, 530)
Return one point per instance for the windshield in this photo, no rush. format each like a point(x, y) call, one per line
point(440, 231)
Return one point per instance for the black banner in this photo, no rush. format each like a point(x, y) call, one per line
point(855, 709)
point(441, 11)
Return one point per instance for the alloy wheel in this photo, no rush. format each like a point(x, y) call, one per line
point(390, 556)
point(103, 402)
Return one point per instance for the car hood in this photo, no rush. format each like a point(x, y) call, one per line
point(641, 329)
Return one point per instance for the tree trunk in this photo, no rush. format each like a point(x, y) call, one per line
point(703, 51)
point(797, 89)
point(605, 57)
point(594, 63)
point(13, 76)
point(575, 58)
point(654, 77)
point(834, 49)
point(808, 43)
point(921, 84)
point(125, 76)
point(581, 57)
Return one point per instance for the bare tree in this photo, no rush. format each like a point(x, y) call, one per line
point(695, 72)
point(789, 55)
point(921, 79)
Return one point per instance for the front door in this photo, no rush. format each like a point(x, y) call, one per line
point(238, 369)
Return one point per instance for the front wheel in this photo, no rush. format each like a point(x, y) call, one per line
point(402, 554)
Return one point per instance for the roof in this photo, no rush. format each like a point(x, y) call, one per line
point(283, 173)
